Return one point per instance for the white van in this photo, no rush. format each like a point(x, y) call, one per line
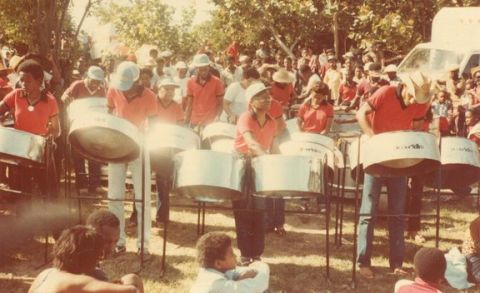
point(455, 41)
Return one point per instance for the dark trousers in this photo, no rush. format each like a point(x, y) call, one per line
point(249, 219)
point(414, 203)
point(163, 168)
point(274, 212)
point(82, 180)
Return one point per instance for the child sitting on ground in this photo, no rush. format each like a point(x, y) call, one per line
point(218, 271)
point(471, 250)
point(430, 266)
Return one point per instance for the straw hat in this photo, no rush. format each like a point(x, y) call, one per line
point(418, 85)
point(282, 76)
point(391, 68)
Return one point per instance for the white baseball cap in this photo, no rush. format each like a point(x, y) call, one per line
point(254, 89)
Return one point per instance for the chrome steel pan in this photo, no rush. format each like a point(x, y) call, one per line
point(218, 130)
point(168, 139)
point(21, 148)
point(345, 124)
point(105, 138)
point(81, 108)
point(209, 175)
point(288, 176)
point(223, 145)
point(400, 153)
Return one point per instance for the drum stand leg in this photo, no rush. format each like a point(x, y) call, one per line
point(438, 192)
point(328, 194)
point(355, 221)
point(203, 217)
point(337, 205)
point(199, 210)
point(142, 222)
point(164, 249)
point(342, 192)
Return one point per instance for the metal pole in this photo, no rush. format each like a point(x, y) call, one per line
point(355, 220)
point(142, 228)
point(328, 193)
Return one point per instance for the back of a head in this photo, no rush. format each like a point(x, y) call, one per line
point(77, 250)
point(251, 73)
point(211, 247)
point(101, 218)
point(430, 264)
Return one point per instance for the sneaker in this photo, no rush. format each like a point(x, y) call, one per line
point(120, 249)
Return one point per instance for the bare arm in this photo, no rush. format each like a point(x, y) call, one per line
point(54, 128)
point(219, 106)
point(232, 118)
point(300, 123)
point(188, 108)
point(253, 144)
point(275, 149)
point(328, 125)
point(361, 115)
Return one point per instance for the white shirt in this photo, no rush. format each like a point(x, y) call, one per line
point(235, 94)
point(229, 77)
point(181, 91)
point(213, 281)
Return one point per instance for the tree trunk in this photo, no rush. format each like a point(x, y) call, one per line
point(336, 37)
point(280, 42)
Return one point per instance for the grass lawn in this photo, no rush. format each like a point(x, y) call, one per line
point(297, 260)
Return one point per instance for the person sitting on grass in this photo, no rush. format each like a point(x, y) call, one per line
point(108, 226)
point(76, 254)
point(471, 250)
point(218, 271)
point(430, 266)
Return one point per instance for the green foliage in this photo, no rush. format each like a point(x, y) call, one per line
point(150, 22)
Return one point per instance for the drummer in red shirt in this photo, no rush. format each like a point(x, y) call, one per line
point(316, 114)
point(91, 86)
point(171, 112)
point(282, 88)
point(127, 99)
point(255, 137)
point(390, 108)
point(35, 111)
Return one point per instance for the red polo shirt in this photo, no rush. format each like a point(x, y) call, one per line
point(136, 110)
point(171, 113)
point(390, 113)
point(419, 286)
point(247, 122)
point(78, 90)
point(205, 99)
point(347, 93)
point(282, 95)
point(365, 87)
point(35, 121)
point(315, 119)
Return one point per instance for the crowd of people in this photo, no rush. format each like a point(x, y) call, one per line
point(258, 94)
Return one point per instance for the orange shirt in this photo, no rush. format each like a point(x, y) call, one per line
point(78, 89)
point(136, 110)
point(390, 113)
point(315, 120)
point(205, 99)
point(35, 121)
point(172, 113)
point(247, 122)
point(283, 95)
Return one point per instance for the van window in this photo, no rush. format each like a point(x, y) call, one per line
point(473, 61)
point(430, 60)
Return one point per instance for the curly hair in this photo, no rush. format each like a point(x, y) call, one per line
point(211, 247)
point(100, 218)
point(78, 250)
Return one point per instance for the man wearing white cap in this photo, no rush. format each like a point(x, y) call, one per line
point(92, 86)
point(204, 102)
point(391, 72)
point(131, 101)
point(391, 108)
point(255, 136)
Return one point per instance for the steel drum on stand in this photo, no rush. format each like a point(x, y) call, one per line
point(166, 140)
point(218, 130)
point(288, 176)
point(345, 124)
point(21, 148)
point(223, 145)
point(81, 107)
point(209, 175)
point(400, 153)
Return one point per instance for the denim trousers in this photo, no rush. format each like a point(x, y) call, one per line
point(397, 191)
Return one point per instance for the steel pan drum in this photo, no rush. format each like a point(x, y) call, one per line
point(400, 153)
point(345, 124)
point(165, 139)
point(21, 148)
point(223, 145)
point(308, 149)
point(288, 176)
point(218, 130)
point(323, 140)
point(81, 107)
point(460, 163)
point(105, 138)
point(292, 126)
point(209, 175)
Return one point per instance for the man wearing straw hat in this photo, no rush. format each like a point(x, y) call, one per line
point(282, 88)
point(391, 108)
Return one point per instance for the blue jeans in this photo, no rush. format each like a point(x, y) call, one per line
point(397, 191)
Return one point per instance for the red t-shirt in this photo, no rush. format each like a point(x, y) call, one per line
point(78, 90)
point(172, 113)
point(365, 87)
point(136, 110)
point(389, 112)
point(419, 286)
point(282, 95)
point(347, 93)
point(315, 120)
point(247, 122)
point(35, 121)
point(473, 137)
point(206, 100)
